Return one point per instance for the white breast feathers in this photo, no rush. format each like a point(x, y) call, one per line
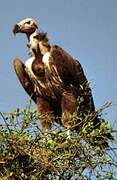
point(45, 59)
point(29, 62)
point(28, 65)
point(33, 77)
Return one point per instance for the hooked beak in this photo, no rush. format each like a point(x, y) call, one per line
point(16, 29)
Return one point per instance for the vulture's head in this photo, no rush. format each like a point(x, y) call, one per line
point(27, 26)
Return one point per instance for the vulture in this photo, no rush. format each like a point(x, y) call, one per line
point(53, 79)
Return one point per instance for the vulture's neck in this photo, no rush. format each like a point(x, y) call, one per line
point(34, 47)
point(32, 41)
point(30, 35)
point(33, 44)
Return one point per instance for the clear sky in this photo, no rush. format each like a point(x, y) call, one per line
point(87, 29)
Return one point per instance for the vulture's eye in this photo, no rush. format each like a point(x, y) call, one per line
point(28, 22)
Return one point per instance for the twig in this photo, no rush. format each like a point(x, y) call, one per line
point(5, 122)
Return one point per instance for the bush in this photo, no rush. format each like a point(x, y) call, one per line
point(27, 153)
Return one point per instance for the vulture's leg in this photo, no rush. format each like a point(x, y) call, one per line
point(47, 117)
point(69, 106)
point(24, 78)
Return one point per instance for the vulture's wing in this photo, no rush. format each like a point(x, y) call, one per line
point(24, 79)
point(69, 69)
point(71, 73)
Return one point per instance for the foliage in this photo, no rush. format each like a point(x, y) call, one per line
point(27, 153)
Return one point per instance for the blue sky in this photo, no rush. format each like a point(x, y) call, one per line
point(87, 29)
